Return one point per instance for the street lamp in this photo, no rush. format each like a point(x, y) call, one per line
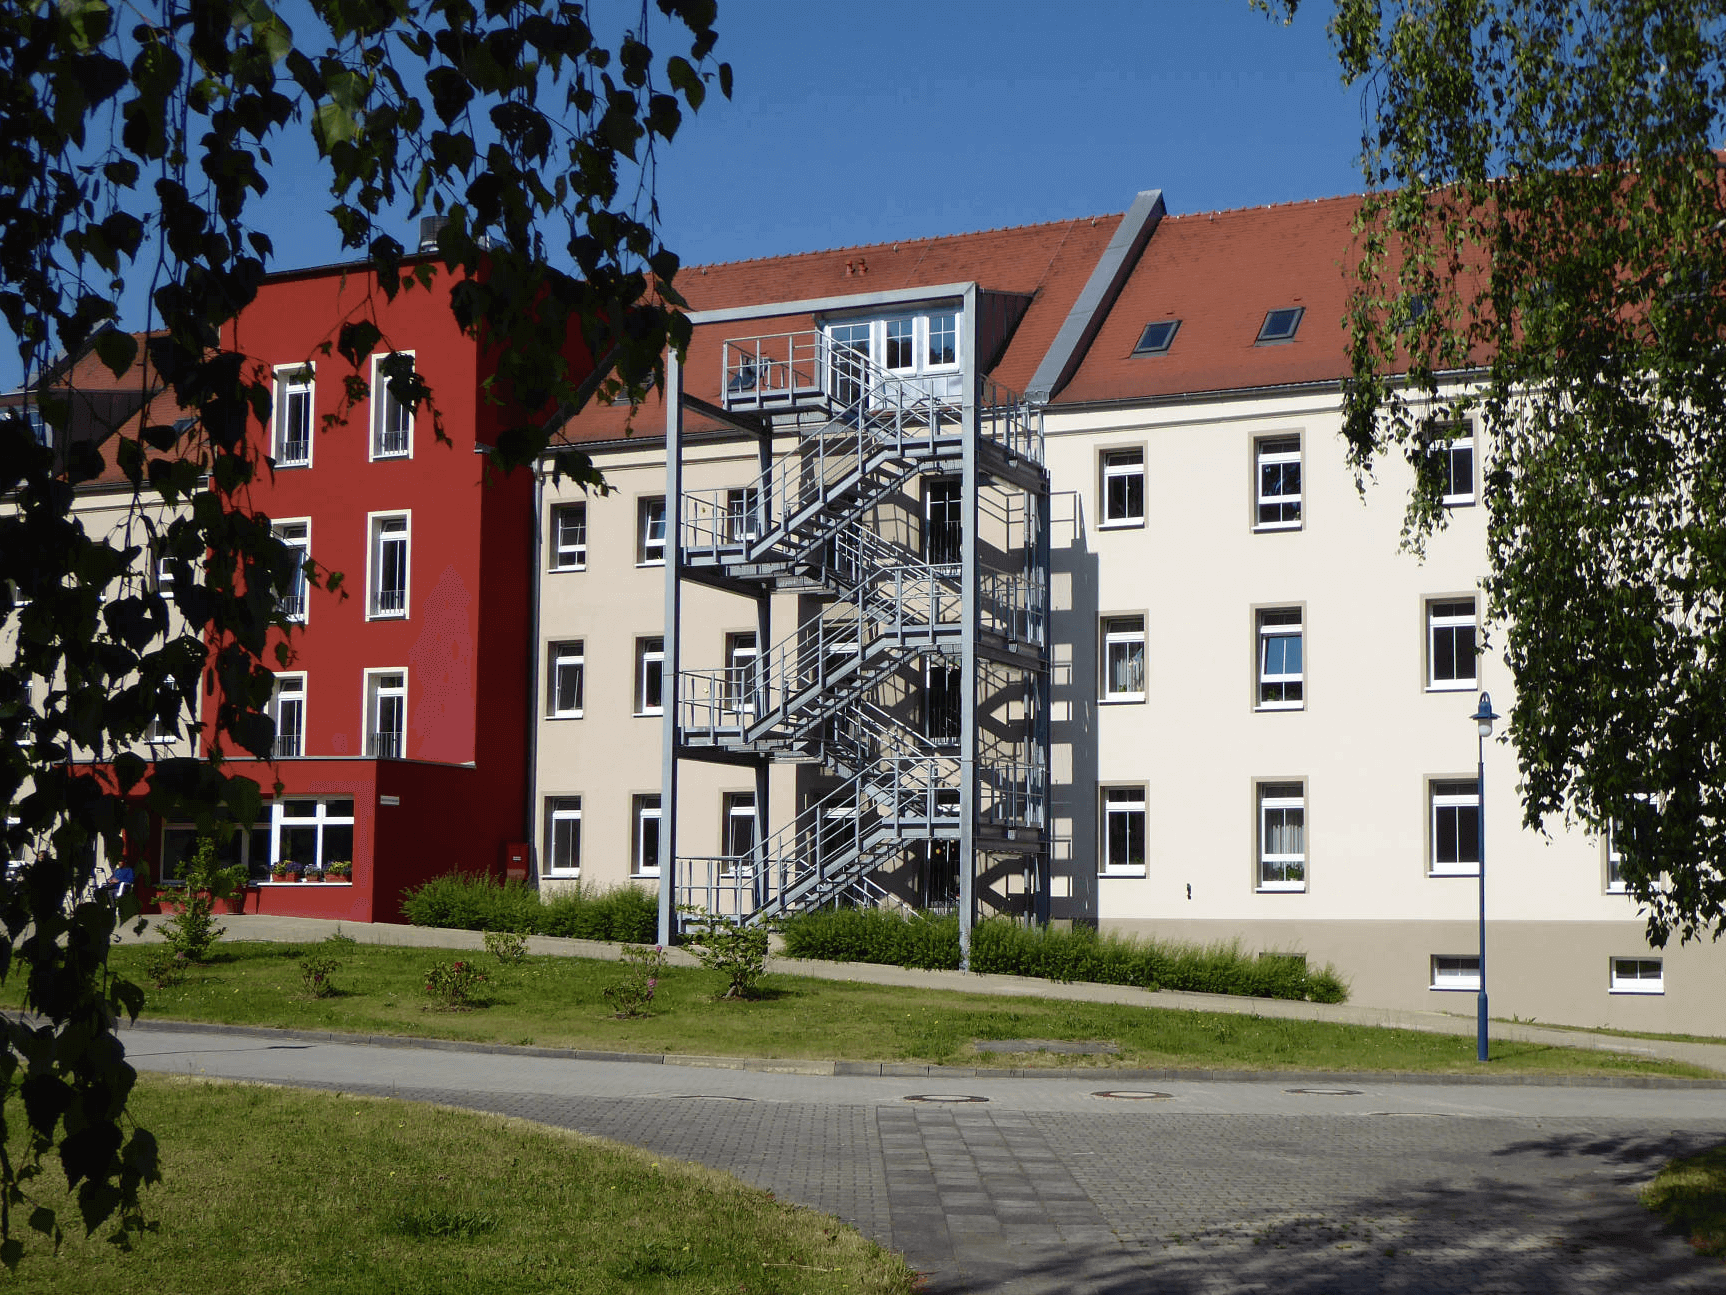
point(1483, 718)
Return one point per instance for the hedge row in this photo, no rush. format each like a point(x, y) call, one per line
point(1003, 947)
point(478, 903)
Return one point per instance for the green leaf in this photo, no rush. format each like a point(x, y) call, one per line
point(117, 350)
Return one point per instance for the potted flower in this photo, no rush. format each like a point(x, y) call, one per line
point(314, 873)
point(279, 870)
point(296, 871)
point(228, 888)
point(342, 870)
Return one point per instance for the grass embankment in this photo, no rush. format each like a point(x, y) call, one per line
point(559, 1002)
point(1690, 1194)
point(268, 1189)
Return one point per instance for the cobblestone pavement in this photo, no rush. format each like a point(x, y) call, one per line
point(1047, 1187)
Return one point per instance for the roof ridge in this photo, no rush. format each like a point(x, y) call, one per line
point(1267, 206)
point(1069, 221)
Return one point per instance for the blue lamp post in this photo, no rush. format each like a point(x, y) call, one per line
point(1483, 718)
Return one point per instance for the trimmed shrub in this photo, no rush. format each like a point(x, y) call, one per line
point(927, 941)
point(475, 902)
point(1000, 946)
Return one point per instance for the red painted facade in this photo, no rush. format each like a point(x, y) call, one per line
point(455, 796)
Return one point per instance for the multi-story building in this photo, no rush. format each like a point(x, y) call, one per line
point(1244, 711)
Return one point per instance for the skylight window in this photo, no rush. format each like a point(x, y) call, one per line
point(1157, 337)
point(1280, 325)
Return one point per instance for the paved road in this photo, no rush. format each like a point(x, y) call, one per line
point(1045, 1186)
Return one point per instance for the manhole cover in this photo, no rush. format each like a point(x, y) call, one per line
point(709, 1097)
point(1132, 1094)
point(945, 1097)
point(1325, 1092)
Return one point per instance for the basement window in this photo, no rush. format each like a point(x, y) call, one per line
point(1157, 337)
point(1280, 325)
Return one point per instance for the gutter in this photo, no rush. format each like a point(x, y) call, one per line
point(531, 781)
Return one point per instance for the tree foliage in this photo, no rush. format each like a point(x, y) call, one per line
point(138, 141)
point(1541, 250)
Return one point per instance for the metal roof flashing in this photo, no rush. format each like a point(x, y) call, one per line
point(1107, 279)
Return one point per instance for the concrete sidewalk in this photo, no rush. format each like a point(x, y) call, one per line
point(1711, 1056)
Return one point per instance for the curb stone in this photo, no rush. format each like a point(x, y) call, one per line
point(911, 1070)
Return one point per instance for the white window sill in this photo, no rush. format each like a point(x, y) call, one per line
point(1471, 871)
point(1280, 705)
point(565, 714)
point(578, 567)
point(1122, 524)
point(1123, 699)
point(384, 458)
point(295, 463)
point(645, 876)
point(650, 714)
point(562, 874)
point(1455, 989)
point(651, 562)
point(1618, 889)
point(1282, 888)
point(1454, 685)
point(1645, 992)
point(1458, 501)
point(1276, 526)
point(1121, 872)
point(387, 616)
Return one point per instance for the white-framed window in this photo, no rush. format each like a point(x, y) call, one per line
point(1277, 472)
point(292, 443)
point(392, 419)
point(738, 828)
point(566, 677)
point(297, 535)
point(1450, 645)
point(644, 856)
point(943, 334)
point(1158, 337)
point(161, 576)
point(288, 709)
point(1123, 487)
point(1281, 660)
point(650, 676)
point(1455, 828)
point(742, 514)
point(1455, 971)
point(569, 537)
point(250, 848)
point(164, 726)
point(1123, 832)
point(1282, 849)
point(1458, 466)
point(1124, 658)
point(943, 701)
point(943, 524)
point(386, 714)
point(387, 565)
point(1280, 325)
point(313, 833)
point(650, 531)
point(901, 338)
point(1615, 883)
point(562, 837)
point(742, 680)
point(1638, 976)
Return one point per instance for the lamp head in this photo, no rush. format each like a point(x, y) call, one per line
point(1483, 715)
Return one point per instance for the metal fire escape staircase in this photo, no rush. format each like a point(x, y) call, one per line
point(808, 525)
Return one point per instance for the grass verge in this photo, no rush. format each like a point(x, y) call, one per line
point(268, 1189)
point(1690, 1194)
point(559, 1002)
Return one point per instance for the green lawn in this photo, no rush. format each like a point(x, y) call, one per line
point(1690, 1194)
point(559, 1002)
point(269, 1189)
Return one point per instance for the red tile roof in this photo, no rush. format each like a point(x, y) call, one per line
point(1219, 273)
point(1048, 263)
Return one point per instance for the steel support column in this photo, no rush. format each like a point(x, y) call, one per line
point(668, 670)
point(968, 579)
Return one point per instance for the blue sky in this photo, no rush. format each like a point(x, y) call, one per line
point(890, 119)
